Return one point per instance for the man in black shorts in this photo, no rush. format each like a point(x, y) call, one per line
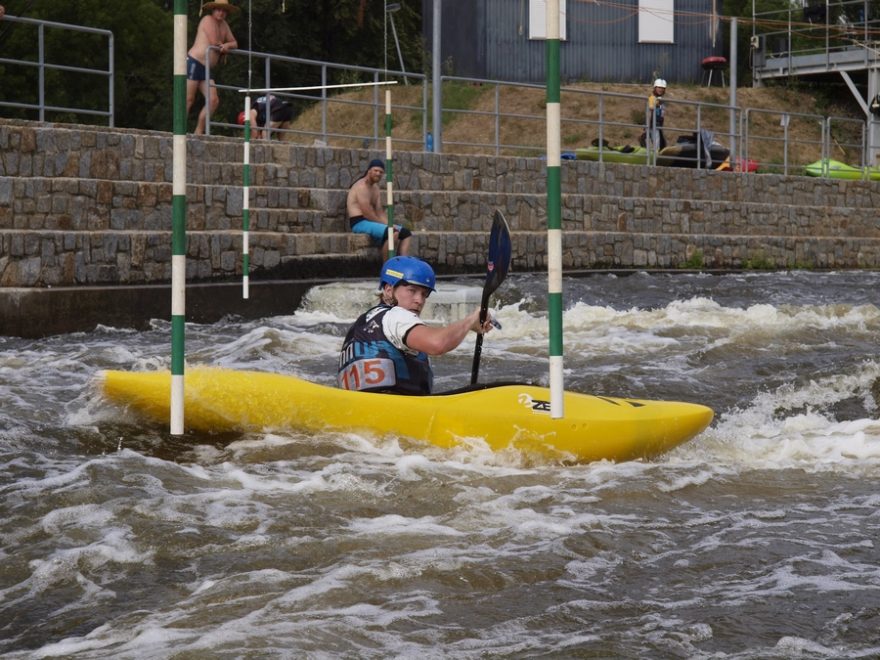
point(280, 115)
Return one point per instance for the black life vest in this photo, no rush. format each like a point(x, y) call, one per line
point(369, 362)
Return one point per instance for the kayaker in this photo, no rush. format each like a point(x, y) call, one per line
point(656, 113)
point(387, 349)
point(366, 214)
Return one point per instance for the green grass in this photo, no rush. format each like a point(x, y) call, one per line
point(694, 261)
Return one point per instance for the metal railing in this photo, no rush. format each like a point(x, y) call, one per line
point(762, 136)
point(43, 101)
point(592, 125)
point(272, 65)
point(814, 27)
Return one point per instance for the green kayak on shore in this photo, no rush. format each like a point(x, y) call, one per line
point(834, 169)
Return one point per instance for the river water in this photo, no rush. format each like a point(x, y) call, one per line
point(757, 539)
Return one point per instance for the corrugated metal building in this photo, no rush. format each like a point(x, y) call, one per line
point(617, 41)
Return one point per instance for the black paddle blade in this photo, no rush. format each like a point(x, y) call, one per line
point(498, 262)
point(497, 265)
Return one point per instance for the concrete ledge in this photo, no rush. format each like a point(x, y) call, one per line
point(34, 313)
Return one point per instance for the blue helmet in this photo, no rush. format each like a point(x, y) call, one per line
point(398, 270)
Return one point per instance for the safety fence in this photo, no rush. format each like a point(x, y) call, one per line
point(37, 80)
point(329, 106)
point(507, 119)
point(814, 27)
point(478, 116)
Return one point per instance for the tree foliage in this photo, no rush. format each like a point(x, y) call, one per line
point(351, 32)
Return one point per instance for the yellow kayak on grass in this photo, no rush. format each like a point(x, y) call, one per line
point(503, 416)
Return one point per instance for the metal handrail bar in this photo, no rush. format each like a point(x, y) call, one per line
point(324, 98)
point(785, 119)
point(41, 65)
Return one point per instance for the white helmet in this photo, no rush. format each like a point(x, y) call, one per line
point(660, 83)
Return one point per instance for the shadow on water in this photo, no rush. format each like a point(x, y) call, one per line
point(152, 441)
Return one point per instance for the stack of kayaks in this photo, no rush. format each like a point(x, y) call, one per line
point(507, 416)
point(689, 152)
point(834, 169)
point(684, 153)
point(626, 153)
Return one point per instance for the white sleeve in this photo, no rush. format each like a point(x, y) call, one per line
point(396, 323)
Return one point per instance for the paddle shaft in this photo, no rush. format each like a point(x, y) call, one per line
point(478, 347)
point(497, 265)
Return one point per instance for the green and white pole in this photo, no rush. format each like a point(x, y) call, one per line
point(246, 203)
point(246, 168)
point(389, 172)
point(554, 212)
point(178, 220)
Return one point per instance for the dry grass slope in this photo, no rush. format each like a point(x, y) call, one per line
point(472, 127)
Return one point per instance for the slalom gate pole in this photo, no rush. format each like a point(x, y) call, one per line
point(246, 203)
point(389, 170)
point(554, 212)
point(246, 168)
point(178, 220)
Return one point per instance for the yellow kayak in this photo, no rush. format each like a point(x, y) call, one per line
point(502, 416)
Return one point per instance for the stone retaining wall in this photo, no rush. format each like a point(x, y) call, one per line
point(92, 206)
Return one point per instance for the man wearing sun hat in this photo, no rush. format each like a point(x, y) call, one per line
point(213, 30)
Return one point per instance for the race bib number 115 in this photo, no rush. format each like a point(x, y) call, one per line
point(367, 374)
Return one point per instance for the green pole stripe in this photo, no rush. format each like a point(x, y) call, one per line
point(553, 86)
point(178, 228)
point(177, 335)
point(554, 307)
point(179, 98)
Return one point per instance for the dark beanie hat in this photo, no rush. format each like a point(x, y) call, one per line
point(376, 162)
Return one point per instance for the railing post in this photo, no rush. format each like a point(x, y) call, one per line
point(112, 72)
point(785, 120)
point(700, 145)
point(268, 75)
point(734, 29)
point(376, 111)
point(208, 90)
point(425, 107)
point(324, 103)
point(41, 59)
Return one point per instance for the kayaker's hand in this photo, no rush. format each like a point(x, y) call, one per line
point(486, 326)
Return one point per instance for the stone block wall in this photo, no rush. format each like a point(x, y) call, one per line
point(92, 206)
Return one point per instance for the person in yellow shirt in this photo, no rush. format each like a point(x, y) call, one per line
point(655, 117)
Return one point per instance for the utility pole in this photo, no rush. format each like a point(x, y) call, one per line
point(436, 97)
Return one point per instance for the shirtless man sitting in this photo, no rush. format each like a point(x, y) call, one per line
point(366, 215)
point(213, 30)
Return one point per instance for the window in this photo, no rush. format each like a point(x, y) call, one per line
point(656, 21)
point(538, 19)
